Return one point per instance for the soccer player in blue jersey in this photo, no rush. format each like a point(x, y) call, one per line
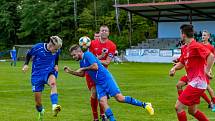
point(105, 83)
point(44, 71)
point(13, 57)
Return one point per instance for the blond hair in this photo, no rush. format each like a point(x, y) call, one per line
point(57, 41)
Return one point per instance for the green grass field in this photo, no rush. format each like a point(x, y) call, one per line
point(145, 81)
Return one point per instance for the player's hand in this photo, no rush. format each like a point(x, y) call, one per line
point(209, 74)
point(56, 68)
point(66, 69)
point(172, 72)
point(25, 68)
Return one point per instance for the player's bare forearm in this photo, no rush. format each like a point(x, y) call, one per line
point(210, 61)
point(173, 70)
point(80, 74)
point(75, 73)
point(178, 66)
point(106, 62)
point(93, 66)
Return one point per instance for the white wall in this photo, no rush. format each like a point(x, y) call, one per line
point(172, 29)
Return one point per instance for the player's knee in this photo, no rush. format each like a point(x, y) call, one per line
point(53, 84)
point(120, 98)
point(177, 109)
point(191, 111)
point(93, 95)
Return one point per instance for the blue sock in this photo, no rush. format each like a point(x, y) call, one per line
point(39, 108)
point(109, 114)
point(54, 98)
point(133, 101)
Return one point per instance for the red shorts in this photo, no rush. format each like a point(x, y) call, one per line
point(191, 95)
point(90, 82)
point(184, 79)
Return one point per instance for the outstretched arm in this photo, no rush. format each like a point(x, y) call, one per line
point(27, 59)
point(73, 72)
point(178, 66)
point(210, 62)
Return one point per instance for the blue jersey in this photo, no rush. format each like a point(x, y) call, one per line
point(98, 76)
point(13, 54)
point(43, 59)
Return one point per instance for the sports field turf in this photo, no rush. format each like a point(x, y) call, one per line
point(145, 81)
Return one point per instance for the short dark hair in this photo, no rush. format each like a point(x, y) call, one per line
point(187, 29)
point(74, 47)
point(96, 33)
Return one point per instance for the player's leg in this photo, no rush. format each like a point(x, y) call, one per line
point(54, 95)
point(93, 98)
point(211, 92)
point(14, 62)
point(94, 103)
point(37, 88)
point(102, 113)
point(127, 99)
point(205, 97)
point(181, 114)
point(39, 107)
point(181, 83)
point(108, 112)
point(197, 113)
point(101, 91)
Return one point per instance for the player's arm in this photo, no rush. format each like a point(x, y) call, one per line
point(73, 72)
point(27, 60)
point(178, 66)
point(56, 63)
point(210, 62)
point(110, 56)
point(107, 61)
point(93, 66)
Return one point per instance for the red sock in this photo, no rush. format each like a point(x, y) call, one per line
point(200, 116)
point(213, 100)
point(205, 97)
point(182, 116)
point(94, 105)
point(179, 92)
point(102, 112)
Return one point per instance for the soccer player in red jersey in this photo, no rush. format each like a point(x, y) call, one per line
point(206, 43)
point(104, 50)
point(198, 62)
point(184, 80)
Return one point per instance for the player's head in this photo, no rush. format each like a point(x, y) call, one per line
point(205, 35)
point(54, 44)
point(76, 52)
point(187, 31)
point(104, 32)
point(96, 35)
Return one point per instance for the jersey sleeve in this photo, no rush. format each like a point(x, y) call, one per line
point(91, 48)
point(203, 51)
point(90, 58)
point(112, 50)
point(33, 50)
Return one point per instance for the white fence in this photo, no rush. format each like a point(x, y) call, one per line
point(151, 55)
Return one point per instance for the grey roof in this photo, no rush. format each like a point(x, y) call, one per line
point(196, 10)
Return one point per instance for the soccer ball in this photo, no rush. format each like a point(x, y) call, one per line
point(84, 42)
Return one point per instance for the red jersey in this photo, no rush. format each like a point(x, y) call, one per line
point(194, 57)
point(109, 48)
point(210, 47)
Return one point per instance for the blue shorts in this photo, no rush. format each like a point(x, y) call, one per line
point(38, 81)
point(110, 87)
